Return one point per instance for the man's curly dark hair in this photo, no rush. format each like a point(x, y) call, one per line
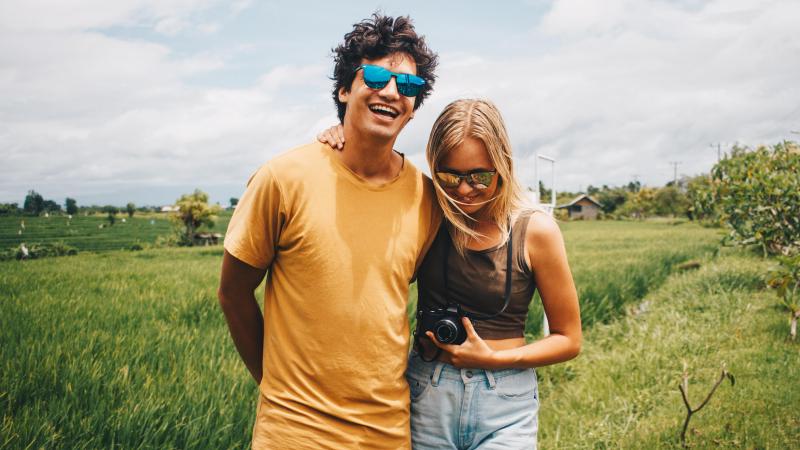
point(375, 38)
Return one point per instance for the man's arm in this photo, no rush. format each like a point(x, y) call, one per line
point(244, 317)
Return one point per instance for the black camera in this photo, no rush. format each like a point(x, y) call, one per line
point(444, 323)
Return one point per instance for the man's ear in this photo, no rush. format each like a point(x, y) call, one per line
point(343, 94)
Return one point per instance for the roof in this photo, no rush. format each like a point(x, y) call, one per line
point(579, 198)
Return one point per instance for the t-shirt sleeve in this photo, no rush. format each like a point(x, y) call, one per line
point(255, 227)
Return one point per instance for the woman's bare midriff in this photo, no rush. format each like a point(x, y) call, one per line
point(494, 344)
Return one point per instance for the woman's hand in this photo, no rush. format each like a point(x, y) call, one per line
point(474, 353)
point(333, 136)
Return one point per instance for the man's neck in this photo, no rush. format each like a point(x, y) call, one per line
point(371, 159)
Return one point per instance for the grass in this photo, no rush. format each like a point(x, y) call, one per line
point(119, 349)
point(89, 233)
point(623, 390)
point(130, 350)
point(616, 263)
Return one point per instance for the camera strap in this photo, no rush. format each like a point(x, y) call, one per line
point(507, 295)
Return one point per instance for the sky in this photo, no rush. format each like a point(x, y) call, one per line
point(144, 100)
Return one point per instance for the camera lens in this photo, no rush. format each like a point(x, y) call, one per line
point(446, 331)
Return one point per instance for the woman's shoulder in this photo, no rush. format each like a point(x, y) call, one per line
point(541, 227)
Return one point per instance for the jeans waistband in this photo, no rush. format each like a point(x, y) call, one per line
point(438, 371)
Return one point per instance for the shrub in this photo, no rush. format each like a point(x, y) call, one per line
point(758, 195)
point(785, 279)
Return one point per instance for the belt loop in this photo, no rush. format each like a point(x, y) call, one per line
point(490, 379)
point(437, 372)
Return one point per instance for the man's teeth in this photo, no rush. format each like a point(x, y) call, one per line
point(380, 109)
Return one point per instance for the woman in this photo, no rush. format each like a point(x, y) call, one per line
point(490, 255)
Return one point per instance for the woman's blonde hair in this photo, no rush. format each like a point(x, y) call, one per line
point(478, 119)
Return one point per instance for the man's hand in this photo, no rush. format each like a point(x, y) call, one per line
point(333, 136)
point(474, 353)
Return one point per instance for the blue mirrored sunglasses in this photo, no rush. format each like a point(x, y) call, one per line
point(376, 77)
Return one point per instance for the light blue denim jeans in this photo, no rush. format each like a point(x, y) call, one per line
point(470, 409)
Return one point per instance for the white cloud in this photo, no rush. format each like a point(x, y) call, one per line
point(83, 111)
point(613, 89)
point(634, 85)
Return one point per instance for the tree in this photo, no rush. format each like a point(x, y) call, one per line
point(194, 211)
point(702, 205)
point(8, 208)
point(71, 206)
point(34, 203)
point(633, 186)
point(785, 279)
point(612, 198)
point(112, 214)
point(51, 206)
point(234, 202)
point(758, 192)
point(670, 201)
point(544, 193)
point(641, 204)
point(130, 208)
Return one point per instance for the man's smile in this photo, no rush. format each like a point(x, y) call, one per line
point(384, 110)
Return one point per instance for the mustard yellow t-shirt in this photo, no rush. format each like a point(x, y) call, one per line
point(341, 253)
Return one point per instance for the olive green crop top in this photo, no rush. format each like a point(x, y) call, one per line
point(477, 282)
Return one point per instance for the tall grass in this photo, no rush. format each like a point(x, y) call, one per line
point(118, 349)
point(130, 350)
point(617, 263)
point(622, 392)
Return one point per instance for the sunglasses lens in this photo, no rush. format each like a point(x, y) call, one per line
point(376, 77)
point(448, 179)
point(409, 85)
point(481, 180)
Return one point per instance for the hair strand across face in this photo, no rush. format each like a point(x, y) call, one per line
point(481, 120)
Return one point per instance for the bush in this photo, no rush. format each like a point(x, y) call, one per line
point(758, 196)
point(7, 209)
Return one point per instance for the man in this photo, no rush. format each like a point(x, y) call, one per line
point(341, 234)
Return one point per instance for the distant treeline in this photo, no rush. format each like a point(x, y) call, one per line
point(36, 205)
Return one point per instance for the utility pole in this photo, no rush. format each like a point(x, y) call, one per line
point(675, 172)
point(718, 150)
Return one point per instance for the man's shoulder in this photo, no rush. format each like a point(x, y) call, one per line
point(303, 154)
point(287, 165)
point(295, 161)
point(415, 172)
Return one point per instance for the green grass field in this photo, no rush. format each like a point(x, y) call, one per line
point(90, 233)
point(622, 392)
point(130, 349)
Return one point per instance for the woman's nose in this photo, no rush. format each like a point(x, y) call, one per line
point(464, 187)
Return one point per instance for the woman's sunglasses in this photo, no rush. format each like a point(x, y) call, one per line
point(479, 179)
point(376, 77)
